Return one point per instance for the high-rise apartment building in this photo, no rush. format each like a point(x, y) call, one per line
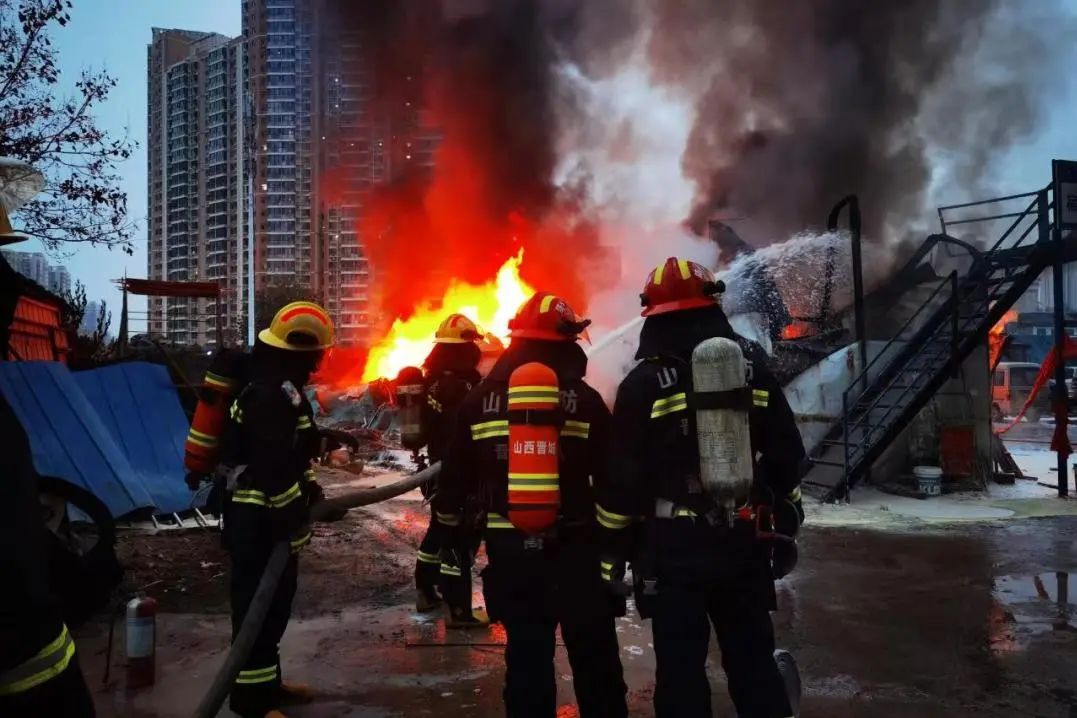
point(320, 147)
point(59, 280)
point(263, 154)
point(89, 317)
point(35, 266)
point(32, 265)
point(198, 181)
point(280, 94)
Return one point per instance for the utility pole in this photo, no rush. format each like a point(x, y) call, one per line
point(1064, 176)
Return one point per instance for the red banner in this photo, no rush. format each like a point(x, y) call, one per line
point(158, 288)
point(1060, 440)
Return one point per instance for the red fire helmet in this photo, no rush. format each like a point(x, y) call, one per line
point(678, 284)
point(547, 316)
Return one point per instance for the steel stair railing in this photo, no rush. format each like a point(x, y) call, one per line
point(900, 380)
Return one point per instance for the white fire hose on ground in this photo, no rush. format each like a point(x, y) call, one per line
point(267, 587)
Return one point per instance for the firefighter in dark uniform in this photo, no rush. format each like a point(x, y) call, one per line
point(451, 371)
point(694, 568)
point(270, 441)
point(39, 668)
point(533, 583)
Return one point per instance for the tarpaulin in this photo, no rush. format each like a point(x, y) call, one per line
point(138, 404)
point(68, 440)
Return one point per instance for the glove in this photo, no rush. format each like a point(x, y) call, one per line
point(324, 512)
point(329, 513)
point(617, 591)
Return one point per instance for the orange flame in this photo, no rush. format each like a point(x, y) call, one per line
point(795, 330)
point(995, 338)
point(490, 305)
point(1000, 325)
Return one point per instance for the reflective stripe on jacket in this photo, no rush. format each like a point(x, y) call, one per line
point(49, 662)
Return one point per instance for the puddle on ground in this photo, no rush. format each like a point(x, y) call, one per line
point(1028, 606)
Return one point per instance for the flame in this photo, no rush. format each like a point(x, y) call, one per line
point(995, 337)
point(490, 305)
point(796, 330)
point(1000, 325)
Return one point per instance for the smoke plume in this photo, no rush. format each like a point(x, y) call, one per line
point(601, 135)
point(799, 104)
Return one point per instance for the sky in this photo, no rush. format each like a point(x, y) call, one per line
point(113, 35)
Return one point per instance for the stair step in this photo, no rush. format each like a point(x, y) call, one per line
point(823, 462)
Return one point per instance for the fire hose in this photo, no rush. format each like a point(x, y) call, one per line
point(267, 586)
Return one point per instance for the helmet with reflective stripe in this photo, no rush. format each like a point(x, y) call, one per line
point(299, 327)
point(457, 329)
point(547, 316)
point(678, 284)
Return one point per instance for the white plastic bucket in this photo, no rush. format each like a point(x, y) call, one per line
point(928, 479)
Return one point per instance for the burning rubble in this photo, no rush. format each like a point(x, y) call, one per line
point(490, 305)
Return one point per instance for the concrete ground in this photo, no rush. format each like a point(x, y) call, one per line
point(891, 613)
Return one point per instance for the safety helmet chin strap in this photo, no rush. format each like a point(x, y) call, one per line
point(572, 328)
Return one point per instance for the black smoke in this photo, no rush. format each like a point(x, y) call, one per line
point(801, 103)
point(796, 104)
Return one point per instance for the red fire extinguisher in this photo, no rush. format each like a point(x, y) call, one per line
point(141, 642)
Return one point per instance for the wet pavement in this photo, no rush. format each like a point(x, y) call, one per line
point(975, 619)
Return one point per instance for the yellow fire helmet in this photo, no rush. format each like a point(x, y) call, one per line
point(299, 327)
point(457, 329)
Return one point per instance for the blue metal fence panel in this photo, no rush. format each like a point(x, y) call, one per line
point(67, 437)
point(138, 404)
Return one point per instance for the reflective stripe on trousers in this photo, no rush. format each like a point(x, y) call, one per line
point(50, 661)
point(497, 521)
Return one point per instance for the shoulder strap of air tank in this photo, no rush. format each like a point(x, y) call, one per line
point(736, 399)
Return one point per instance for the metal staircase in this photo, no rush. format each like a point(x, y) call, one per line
point(931, 346)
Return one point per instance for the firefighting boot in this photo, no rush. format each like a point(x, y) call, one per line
point(427, 577)
point(295, 694)
point(787, 666)
point(426, 600)
point(463, 618)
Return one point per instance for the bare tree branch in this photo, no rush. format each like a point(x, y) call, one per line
point(83, 201)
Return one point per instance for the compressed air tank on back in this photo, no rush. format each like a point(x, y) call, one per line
point(409, 401)
point(719, 380)
point(534, 432)
point(225, 378)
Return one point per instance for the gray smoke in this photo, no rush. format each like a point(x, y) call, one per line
point(801, 103)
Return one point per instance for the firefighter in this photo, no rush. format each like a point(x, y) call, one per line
point(538, 579)
point(39, 667)
point(270, 441)
point(450, 373)
point(693, 565)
